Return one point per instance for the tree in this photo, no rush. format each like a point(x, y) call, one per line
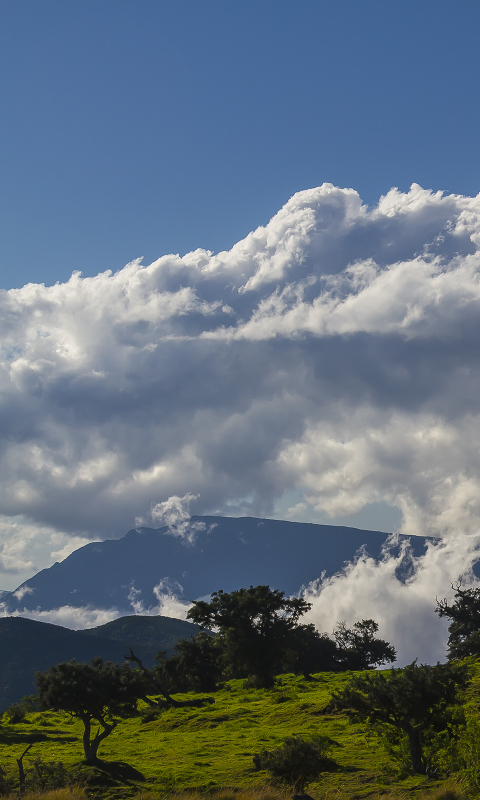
point(311, 652)
point(413, 700)
point(194, 665)
point(255, 628)
point(464, 628)
point(99, 691)
point(359, 649)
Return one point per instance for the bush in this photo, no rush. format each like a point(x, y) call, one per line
point(298, 762)
point(16, 713)
point(43, 775)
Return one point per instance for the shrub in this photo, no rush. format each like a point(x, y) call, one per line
point(16, 713)
point(298, 762)
point(43, 775)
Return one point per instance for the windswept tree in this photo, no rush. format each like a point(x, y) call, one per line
point(464, 616)
point(99, 692)
point(414, 700)
point(358, 648)
point(255, 628)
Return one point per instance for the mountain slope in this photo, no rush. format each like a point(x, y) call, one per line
point(28, 646)
point(228, 554)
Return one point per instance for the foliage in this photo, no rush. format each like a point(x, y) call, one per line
point(357, 647)
point(15, 713)
point(99, 691)
point(298, 762)
point(414, 700)
point(43, 775)
point(464, 628)
point(255, 628)
point(311, 651)
point(194, 665)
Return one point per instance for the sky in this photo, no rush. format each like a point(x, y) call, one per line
point(238, 265)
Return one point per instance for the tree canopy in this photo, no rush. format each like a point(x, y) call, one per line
point(359, 649)
point(464, 628)
point(411, 699)
point(99, 691)
point(255, 627)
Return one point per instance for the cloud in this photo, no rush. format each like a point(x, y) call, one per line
point(169, 604)
point(332, 353)
point(174, 513)
point(399, 592)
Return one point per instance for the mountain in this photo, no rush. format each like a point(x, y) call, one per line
point(28, 646)
point(230, 552)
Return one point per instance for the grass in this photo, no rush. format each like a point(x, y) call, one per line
point(186, 753)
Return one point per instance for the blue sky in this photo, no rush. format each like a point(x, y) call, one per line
point(322, 365)
point(141, 128)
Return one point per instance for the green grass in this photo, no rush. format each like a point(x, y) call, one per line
point(213, 747)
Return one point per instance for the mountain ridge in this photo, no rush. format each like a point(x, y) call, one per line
point(229, 553)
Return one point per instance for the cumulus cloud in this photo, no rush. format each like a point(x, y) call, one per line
point(399, 592)
point(332, 353)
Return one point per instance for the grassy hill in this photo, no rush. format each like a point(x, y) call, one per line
point(213, 747)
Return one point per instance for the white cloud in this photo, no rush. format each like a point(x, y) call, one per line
point(174, 513)
point(399, 592)
point(332, 354)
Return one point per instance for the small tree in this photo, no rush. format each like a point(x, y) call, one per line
point(413, 700)
point(464, 628)
point(255, 627)
point(359, 649)
point(298, 762)
point(100, 691)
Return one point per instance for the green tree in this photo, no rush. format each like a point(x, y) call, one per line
point(255, 629)
point(414, 700)
point(359, 649)
point(464, 628)
point(194, 665)
point(99, 692)
point(311, 652)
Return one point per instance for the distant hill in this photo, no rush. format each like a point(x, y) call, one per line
point(232, 552)
point(145, 634)
point(28, 646)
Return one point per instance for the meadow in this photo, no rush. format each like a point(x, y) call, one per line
point(210, 750)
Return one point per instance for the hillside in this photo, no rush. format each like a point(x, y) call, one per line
point(228, 554)
point(28, 646)
point(213, 747)
point(151, 634)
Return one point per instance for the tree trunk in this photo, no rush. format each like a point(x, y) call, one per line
point(416, 751)
point(86, 738)
point(90, 746)
point(21, 771)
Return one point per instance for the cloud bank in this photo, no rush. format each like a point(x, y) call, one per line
point(333, 353)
